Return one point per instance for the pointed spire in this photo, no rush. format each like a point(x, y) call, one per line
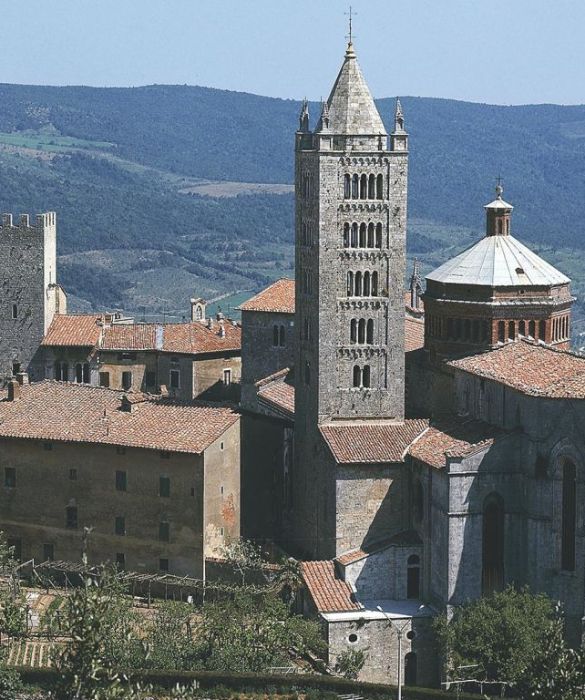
point(398, 117)
point(351, 106)
point(304, 116)
point(415, 285)
point(323, 124)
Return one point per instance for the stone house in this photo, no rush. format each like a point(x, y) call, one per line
point(198, 359)
point(157, 480)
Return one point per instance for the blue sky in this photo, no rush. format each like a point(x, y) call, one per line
point(514, 52)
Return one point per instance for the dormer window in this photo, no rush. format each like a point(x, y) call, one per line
point(520, 271)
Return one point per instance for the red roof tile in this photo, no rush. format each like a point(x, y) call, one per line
point(452, 438)
point(281, 395)
point(278, 298)
point(414, 334)
point(131, 336)
point(329, 593)
point(74, 331)
point(531, 368)
point(60, 411)
point(372, 442)
point(196, 338)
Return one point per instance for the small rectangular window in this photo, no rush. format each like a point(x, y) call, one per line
point(48, 552)
point(10, 477)
point(15, 368)
point(14, 311)
point(121, 560)
point(227, 377)
point(71, 517)
point(163, 564)
point(73, 474)
point(175, 378)
point(163, 531)
point(164, 488)
point(126, 356)
point(150, 378)
point(105, 379)
point(126, 380)
point(121, 480)
point(120, 525)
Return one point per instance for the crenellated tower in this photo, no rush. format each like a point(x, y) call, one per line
point(351, 190)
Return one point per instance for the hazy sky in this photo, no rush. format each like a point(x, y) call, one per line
point(504, 52)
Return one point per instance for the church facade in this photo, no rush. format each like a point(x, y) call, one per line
point(421, 475)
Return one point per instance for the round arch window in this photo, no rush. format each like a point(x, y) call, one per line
point(352, 638)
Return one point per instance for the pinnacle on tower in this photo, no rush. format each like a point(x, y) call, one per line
point(398, 118)
point(323, 124)
point(304, 116)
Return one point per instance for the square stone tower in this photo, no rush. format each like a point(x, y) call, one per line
point(351, 190)
point(30, 293)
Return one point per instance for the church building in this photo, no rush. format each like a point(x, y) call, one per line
point(409, 476)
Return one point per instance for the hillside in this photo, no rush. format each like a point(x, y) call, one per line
point(124, 169)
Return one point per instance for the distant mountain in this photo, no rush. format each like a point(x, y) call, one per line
point(116, 164)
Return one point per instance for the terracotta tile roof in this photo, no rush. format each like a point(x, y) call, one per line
point(329, 593)
point(452, 437)
point(414, 334)
point(404, 539)
point(131, 336)
point(195, 338)
point(278, 298)
point(61, 411)
point(281, 395)
point(76, 331)
point(531, 368)
point(372, 442)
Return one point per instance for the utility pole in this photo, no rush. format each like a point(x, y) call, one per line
point(399, 631)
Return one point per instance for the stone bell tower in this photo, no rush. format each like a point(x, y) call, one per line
point(350, 189)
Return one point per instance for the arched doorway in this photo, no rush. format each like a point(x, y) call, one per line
point(493, 544)
point(410, 668)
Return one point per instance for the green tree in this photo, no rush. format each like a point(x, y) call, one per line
point(12, 619)
point(502, 635)
point(170, 641)
point(350, 663)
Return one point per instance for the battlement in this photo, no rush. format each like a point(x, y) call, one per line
point(42, 221)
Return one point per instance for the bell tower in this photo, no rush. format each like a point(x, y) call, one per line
point(350, 190)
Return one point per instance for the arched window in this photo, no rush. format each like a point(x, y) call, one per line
point(346, 235)
point(363, 236)
point(307, 329)
point(347, 186)
point(366, 377)
point(378, 235)
point(500, 229)
point(366, 284)
point(275, 336)
point(307, 373)
point(350, 284)
point(569, 516)
point(357, 377)
point(362, 331)
point(379, 187)
point(410, 670)
point(372, 187)
point(86, 373)
point(532, 329)
point(522, 328)
point(501, 331)
point(374, 284)
point(364, 187)
point(353, 331)
point(355, 187)
point(493, 544)
point(61, 372)
point(358, 284)
point(371, 238)
point(511, 330)
point(370, 334)
point(413, 576)
point(542, 330)
point(282, 336)
point(354, 235)
point(79, 373)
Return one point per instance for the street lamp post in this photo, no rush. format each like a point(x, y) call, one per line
point(399, 631)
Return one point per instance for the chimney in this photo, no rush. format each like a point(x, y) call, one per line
point(22, 378)
point(210, 323)
point(13, 390)
point(220, 316)
point(126, 404)
point(221, 330)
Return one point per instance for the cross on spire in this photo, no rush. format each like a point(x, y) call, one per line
point(499, 186)
point(351, 14)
